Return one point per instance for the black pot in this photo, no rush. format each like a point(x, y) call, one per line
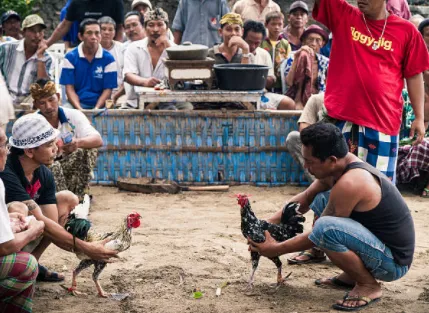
point(241, 76)
point(188, 51)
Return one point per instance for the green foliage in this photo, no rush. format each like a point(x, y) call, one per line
point(23, 7)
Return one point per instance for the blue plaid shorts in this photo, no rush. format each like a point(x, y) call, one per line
point(375, 148)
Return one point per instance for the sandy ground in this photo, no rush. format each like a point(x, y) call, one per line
point(193, 241)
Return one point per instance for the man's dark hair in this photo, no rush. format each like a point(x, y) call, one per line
point(42, 82)
point(274, 15)
point(254, 26)
point(136, 13)
point(326, 140)
point(87, 22)
point(16, 151)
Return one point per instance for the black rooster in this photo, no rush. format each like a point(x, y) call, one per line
point(254, 228)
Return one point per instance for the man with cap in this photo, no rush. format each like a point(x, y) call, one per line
point(78, 10)
point(78, 152)
point(255, 10)
point(140, 57)
point(306, 69)
point(11, 24)
point(198, 21)
point(298, 19)
point(18, 269)
point(30, 190)
point(89, 72)
point(141, 6)
point(377, 51)
point(23, 62)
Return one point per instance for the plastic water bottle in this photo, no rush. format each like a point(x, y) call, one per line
point(66, 134)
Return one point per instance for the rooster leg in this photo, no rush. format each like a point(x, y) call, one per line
point(255, 256)
point(280, 278)
point(82, 265)
point(99, 266)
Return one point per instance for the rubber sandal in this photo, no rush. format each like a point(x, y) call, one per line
point(368, 301)
point(44, 277)
point(425, 193)
point(334, 282)
point(311, 258)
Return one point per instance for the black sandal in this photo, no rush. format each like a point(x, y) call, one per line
point(44, 277)
point(368, 301)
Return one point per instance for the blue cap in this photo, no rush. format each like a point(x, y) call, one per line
point(8, 14)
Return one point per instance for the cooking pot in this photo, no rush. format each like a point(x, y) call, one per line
point(187, 51)
point(241, 76)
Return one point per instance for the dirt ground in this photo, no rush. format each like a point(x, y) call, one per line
point(192, 241)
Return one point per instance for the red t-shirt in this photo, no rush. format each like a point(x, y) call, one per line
point(364, 86)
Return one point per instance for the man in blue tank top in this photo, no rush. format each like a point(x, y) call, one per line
point(365, 226)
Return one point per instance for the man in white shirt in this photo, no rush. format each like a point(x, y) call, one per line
point(143, 65)
point(253, 33)
point(18, 270)
point(78, 140)
point(108, 30)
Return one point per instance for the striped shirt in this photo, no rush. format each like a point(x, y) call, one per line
point(18, 72)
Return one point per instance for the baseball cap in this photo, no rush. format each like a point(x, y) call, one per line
point(8, 14)
point(298, 5)
point(32, 131)
point(315, 29)
point(137, 2)
point(32, 20)
point(423, 24)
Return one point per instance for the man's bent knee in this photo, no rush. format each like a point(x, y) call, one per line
point(17, 207)
point(67, 199)
point(327, 234)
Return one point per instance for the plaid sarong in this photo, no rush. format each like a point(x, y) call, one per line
point(73, 172)
point(412, 160)
point(18, 273)
point(375, 148)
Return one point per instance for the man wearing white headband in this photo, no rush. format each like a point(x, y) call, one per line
point(30, 190)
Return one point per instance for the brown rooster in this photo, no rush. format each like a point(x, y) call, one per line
point(79, 226)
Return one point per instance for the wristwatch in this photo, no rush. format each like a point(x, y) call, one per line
point(246, 55)
point(44, 59)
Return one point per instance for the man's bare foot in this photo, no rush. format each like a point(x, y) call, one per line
point(340, 281)
point(370, 292)
point(308, 256)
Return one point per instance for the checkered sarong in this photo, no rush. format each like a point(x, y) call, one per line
point(375, 148)
point(412, 160)
point(18, 273)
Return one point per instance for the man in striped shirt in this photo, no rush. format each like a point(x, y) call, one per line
point(25, 61)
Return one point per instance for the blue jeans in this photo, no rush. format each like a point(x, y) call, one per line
point(341, 234)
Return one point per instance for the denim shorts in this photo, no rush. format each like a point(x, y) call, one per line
point(341, 234)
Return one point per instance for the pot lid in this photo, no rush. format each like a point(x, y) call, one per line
point(187, 46)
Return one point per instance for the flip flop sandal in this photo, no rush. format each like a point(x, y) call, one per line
point(311, 258)
point(44, 277)
point(425, 193)
point(368, 301)
point(334, 282)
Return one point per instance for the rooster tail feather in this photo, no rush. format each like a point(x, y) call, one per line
point(78, 227)
point(82, 209)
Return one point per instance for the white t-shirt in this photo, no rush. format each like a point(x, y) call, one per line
point(117, 51)
point(262, 57)
point(6, 233)
point(79, 123)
